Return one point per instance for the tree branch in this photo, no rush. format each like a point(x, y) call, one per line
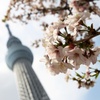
point(88, 38)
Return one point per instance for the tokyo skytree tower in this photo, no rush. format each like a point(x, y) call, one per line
point(19, 59)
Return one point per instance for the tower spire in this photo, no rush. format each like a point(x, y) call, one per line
point(9, 31)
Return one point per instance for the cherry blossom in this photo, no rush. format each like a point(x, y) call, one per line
point(94, 55)
point(68, 41)
point(59, 67)
point(79, 5)
point(73, 20)
point(54, 53)
point(76, 57)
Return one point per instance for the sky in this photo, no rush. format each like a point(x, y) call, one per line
point(56, 86)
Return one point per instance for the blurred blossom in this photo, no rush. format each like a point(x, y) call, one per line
point(79, 5)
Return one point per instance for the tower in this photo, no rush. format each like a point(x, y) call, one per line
point(19, 59)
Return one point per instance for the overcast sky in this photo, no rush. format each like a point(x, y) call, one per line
point(56, 86)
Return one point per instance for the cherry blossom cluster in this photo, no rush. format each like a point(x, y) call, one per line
point(68, 42)
point(64, 50)
point(26, 10)
point(86, 79)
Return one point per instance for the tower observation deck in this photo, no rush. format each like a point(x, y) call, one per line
point(19, 59)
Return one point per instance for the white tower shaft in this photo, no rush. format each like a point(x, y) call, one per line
point(28, 84)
